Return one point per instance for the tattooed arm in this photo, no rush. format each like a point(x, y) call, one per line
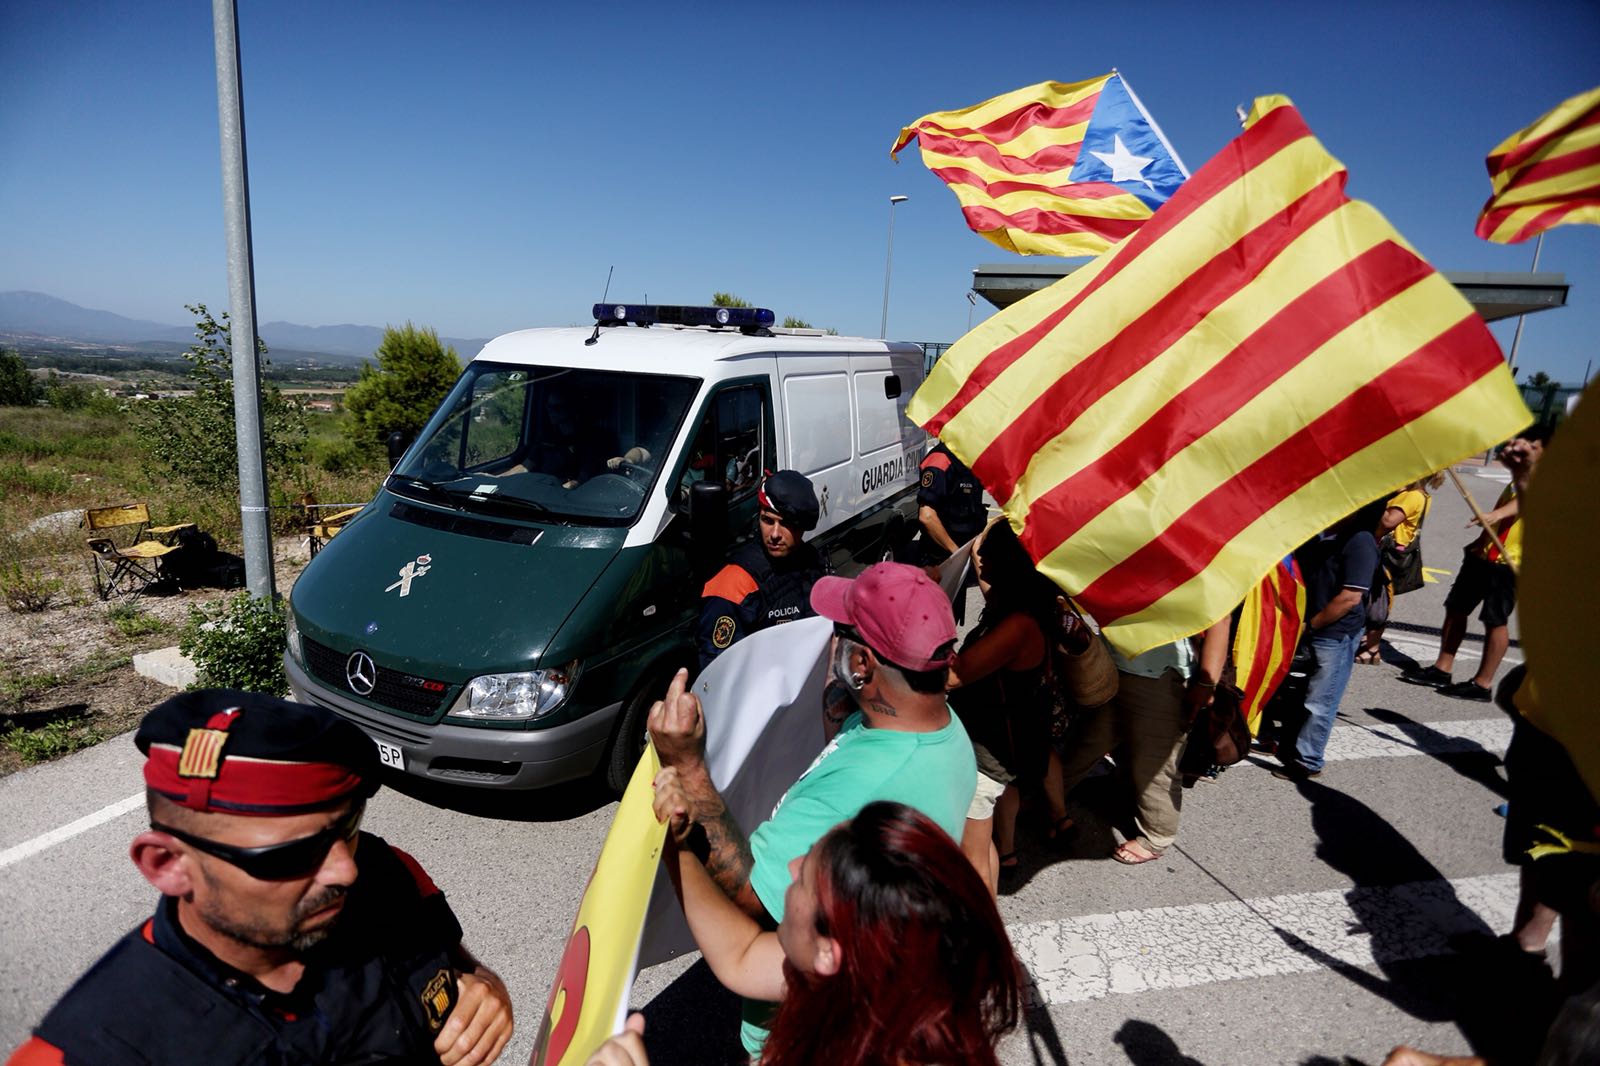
point(702, 824)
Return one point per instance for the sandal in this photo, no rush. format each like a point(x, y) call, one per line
point(1010, 867)
point(1133, 853)
point(1059, 828)
point(1367, 658)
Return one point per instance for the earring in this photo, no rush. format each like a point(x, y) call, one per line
point(857, 680)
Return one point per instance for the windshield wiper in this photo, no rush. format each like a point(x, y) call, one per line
point(504, 504)
point(427, 489)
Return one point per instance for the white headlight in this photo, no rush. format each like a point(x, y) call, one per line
point(513, 697)
point(292, 634)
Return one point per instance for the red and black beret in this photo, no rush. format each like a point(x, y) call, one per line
point(246, 753)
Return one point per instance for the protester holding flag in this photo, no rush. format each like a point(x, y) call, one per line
point(1489, 577)
point(893, 737)
point(865, 965)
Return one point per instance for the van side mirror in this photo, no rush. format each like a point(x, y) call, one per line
point(396, 443)
point(708, 525)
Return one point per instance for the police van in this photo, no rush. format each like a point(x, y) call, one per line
point(527, 580)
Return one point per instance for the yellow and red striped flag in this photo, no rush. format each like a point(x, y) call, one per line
point(1052, 169)
point(1269, 628)
point(1263, 357)
point(1546, 175)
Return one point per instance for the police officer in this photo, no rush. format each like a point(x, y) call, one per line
point(284, 935)
point(949, 505)
point(767, 581)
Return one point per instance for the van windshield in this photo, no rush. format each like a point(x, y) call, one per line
point(547, 443)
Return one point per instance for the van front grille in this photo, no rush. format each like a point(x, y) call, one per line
point(401, 692)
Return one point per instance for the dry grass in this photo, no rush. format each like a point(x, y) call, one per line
point(65, 655)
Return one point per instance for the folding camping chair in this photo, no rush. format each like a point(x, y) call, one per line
point(131, 568)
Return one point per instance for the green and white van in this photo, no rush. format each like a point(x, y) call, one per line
point(527, 580)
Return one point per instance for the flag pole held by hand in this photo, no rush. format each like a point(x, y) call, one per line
point(1478, 514)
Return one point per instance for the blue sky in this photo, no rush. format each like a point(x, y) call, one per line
point(478, 167)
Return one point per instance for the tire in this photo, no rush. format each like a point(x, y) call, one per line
point(627, 743)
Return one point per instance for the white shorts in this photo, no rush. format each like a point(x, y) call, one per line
point(985, 798)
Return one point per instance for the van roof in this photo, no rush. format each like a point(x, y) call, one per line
point(666, 349)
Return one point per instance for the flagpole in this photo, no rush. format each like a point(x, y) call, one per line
point(1160, 136)
point(1478, 514)
point(1516, 338)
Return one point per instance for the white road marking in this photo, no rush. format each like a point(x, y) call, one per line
point(1430, 649)
point(1097, 955)
point(18, 852)
point(1381, 740)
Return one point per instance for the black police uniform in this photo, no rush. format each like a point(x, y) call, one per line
point(956, 496)
point(378, 990)
point(755, 591)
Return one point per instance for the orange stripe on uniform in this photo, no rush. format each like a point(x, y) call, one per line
point(731, 583)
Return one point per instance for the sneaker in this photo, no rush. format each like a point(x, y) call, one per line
point(1431, 676)
point(1294, 771)
point(1466, 690)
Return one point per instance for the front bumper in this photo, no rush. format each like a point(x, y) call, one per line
point(464, 755)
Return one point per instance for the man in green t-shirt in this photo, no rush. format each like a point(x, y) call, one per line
point(890, 737)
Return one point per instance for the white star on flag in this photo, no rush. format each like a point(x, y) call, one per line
point(1125, 166)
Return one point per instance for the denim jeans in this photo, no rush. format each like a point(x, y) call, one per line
point(1335, 656)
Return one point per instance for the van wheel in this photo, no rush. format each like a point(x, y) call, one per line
point(628, 742)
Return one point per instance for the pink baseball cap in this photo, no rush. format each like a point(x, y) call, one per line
point(899, 613)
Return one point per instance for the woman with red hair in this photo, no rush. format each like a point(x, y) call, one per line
point(890, 952)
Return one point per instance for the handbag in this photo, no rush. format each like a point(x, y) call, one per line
point(1403, 565)
point(1219, 737)
point(1075, 681)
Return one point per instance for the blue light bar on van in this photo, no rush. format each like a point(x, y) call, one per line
point(674, 315)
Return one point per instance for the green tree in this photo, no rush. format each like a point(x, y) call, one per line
point(1539, 379)
point(414, 373)
point(791, 322)
point(192, 437)
point(17, 387)
point(728, 299)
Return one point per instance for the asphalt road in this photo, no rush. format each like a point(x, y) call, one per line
point(1289, 923)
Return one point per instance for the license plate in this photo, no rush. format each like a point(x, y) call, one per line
point(391, 755)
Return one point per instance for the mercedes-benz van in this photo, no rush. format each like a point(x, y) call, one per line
point(527, 580)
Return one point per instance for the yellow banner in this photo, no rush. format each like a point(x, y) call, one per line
point(589, 997)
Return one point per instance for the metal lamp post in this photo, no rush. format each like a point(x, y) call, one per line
point(888, 266)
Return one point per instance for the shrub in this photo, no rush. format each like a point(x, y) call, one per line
point(19, 480)
point(239, 643)
point(24, 587)
point(61, 737)
point(130, 620)
point(193, 438)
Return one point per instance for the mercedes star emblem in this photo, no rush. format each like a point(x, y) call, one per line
point(361, 673)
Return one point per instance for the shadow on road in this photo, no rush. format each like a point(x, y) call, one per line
point(1480, 765)
point(1472, 990)
point(1147, 1044)
point(1093, 806)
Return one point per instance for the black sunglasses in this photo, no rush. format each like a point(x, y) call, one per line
point(847, 632)
point(278, 862)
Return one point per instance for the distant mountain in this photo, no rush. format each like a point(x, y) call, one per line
point(50, 318)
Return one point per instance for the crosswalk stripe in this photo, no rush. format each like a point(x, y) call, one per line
point(1382, 740)
point(1072, 960)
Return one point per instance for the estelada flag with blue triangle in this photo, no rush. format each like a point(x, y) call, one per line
point(1052, 169)
point(1260, 359)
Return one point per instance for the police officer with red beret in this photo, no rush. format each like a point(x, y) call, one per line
point(285, 935)
point(767, 581)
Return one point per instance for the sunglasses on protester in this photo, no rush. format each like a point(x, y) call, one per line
point(278, 862)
